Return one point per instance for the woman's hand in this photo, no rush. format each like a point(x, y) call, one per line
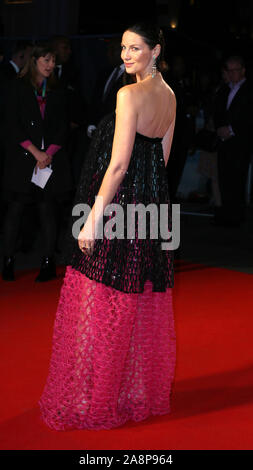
point(42, 157)
point(42, 164)
point(86, 239)
point(46, 162)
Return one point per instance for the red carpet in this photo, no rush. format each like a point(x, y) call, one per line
point(213, 394)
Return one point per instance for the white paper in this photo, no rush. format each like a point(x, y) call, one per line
point(41, 177)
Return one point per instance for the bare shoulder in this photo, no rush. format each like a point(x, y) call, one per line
point(126, 97)
point(171, 94)
point(126, 92)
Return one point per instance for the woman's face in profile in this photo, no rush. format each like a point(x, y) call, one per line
point(135, 53)
point(45, 65)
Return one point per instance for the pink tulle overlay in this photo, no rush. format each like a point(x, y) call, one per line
point(113, 356)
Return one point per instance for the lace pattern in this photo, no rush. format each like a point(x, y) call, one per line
point(113, 356)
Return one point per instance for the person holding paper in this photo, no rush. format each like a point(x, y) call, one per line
point(36, 165)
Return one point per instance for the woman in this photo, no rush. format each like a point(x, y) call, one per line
point(36, 131)
point(113, 353)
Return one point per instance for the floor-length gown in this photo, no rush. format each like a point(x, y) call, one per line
point(114, 345)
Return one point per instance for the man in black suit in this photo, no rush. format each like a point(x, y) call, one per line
point(180, 83)
point(68, 76)
point(20, 53)
point(8, 71)
point(109, 81)
point(234, 125)
point(69, 80)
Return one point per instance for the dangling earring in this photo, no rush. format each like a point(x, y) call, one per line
point(154, 68)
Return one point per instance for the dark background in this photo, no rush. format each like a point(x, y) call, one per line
point(203, 31)
point(210, 21)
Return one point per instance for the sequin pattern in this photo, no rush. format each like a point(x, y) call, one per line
point(125, 264)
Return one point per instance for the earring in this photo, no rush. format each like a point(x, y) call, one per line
point(154, 68)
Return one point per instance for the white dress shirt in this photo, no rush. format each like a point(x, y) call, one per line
point(233, 90)
point(15, 66)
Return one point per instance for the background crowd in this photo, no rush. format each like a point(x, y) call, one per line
point(214, 121)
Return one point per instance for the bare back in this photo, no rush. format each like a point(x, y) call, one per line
point(156, 107)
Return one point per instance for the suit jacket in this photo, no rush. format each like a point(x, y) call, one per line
point(70, 83)
point(7, 74)
point(239, 114)
point(101, 106)
point(7, 71)
point(24, 122)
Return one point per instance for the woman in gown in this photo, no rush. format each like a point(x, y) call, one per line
point(114, 345)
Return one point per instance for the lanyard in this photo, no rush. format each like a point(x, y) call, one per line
point(42, 101)
point(44, 86)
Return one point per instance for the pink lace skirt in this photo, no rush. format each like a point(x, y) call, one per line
point(113, 356)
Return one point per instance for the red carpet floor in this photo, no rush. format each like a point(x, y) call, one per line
point(212, 405)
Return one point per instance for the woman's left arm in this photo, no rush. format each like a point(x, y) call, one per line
point(123, 142)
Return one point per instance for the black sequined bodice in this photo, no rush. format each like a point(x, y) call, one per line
point(123, 263)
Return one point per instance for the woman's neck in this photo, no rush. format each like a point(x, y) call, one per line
point(146, 76)
point(39, 80)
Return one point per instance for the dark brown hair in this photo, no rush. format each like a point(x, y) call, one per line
point(29, 72)
point(152, 35)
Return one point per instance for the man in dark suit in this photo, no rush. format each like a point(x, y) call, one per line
point(109, 81)
point(20, 53)
point(9, 69)
point(8, 72)
point(69, 80)
point(234, 125)
point(68, 77)
point(180, 83)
